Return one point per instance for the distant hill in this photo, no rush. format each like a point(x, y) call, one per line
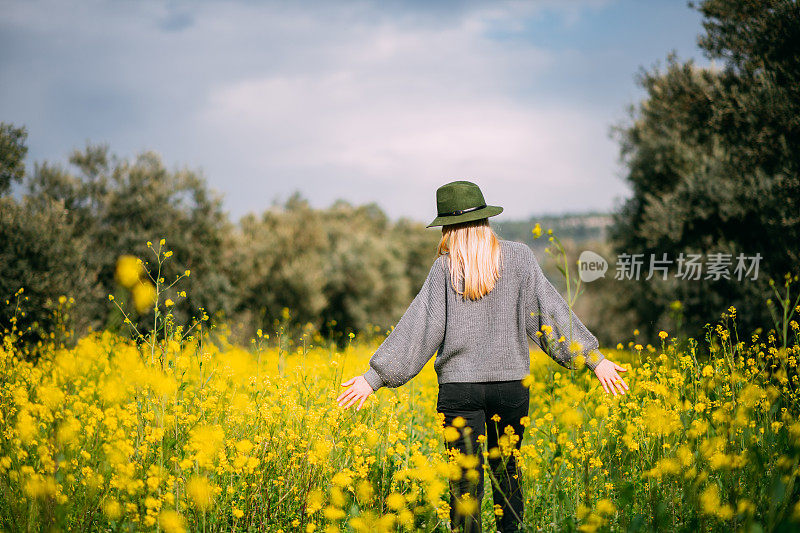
point(580, 227)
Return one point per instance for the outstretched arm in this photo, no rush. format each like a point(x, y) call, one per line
point(415, 339)
point(550, 319)
point(548, 310)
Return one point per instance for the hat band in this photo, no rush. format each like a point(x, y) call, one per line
point(461, 211)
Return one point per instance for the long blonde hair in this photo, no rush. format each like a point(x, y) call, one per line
point(474, 252)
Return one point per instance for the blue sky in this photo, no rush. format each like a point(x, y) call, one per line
point(366, 101)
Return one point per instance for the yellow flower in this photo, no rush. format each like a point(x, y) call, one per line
point(38, 486)
point(244, 446)
point(112, 509)
point(709, 499)
point(337, 497)
point(663, 334)
point(333, 513)
point(572, 418)
point(144, 296)
point(451, 434)
point(466, 505)
point(168, 302)
point(342, 479)
point(26, 427)
point(206, 441)
point(746, 507)
point(171, 521)
point(582, 511)
point(364, 490)
point(128, 271)
point(537, 231)
point(201, 492)
point(395, 501)
point(315, 500)
point(606, 507)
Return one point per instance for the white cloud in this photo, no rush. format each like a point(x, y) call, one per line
point(344, 124)
point(360, 100)
point(407, 109)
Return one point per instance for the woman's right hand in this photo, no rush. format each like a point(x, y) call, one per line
point(606, 372)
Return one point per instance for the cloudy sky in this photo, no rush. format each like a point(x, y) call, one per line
point(378, 101)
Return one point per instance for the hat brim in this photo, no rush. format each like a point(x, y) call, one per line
point(488, 211)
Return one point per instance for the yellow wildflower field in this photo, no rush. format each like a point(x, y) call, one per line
point(193, 433)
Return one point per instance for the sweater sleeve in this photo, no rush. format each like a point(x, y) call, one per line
point(545, 308)
point(415, 339)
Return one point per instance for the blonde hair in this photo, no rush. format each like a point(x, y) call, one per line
point(474, 254)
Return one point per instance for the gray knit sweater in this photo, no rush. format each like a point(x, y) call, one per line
point(485, 339)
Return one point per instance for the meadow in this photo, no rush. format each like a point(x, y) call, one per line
point(181, 430)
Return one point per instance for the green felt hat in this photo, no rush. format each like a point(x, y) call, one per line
point(461, 201)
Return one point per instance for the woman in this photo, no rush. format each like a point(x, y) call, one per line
point(482, 299)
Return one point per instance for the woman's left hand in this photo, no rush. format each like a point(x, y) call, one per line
point(606, 372)
point(359, 390)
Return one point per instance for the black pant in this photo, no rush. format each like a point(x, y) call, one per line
point(477, 403)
